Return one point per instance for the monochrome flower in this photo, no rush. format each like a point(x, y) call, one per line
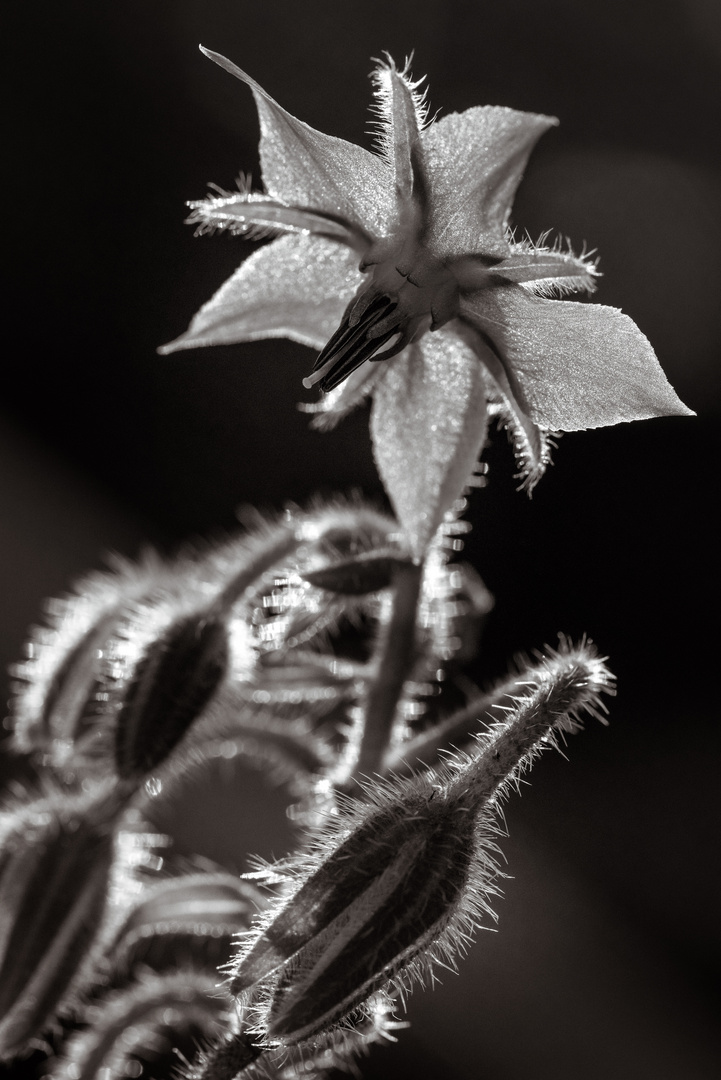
point(406, 255)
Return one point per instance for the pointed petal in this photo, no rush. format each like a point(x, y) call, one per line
point(256, 216)
point(428, 427)
point(577, 365)
point(304, 167)
point(475, 161)
point(297, 287)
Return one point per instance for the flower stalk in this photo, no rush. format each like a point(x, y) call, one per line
point(394, 658)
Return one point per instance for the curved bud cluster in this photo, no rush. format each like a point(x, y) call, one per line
point(318, 647)
point(129, 663)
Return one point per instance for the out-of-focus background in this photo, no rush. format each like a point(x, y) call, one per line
point(608, 945)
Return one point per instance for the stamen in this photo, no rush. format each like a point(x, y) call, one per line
point(346, 367)
point(352, 344)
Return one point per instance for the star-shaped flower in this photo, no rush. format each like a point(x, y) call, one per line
point(404, 258)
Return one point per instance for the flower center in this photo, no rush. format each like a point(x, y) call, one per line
point(409, 293)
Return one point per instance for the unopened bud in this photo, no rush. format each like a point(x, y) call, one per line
point(365, 573)
point(397, 884)
point(55, 701)
point(170, 686)
point(143, 1023)
point(57, 857)
point(401, 884)
point(194, 916)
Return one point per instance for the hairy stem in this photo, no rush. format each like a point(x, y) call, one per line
point(395, 656)
point(230, 1059)
point(455, 731)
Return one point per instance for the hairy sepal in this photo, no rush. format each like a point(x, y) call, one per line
point(256, 217)
point(401, 113)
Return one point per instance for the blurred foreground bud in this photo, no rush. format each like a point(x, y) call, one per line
point(148, 1020)
point(172, 682)
point(128, 667)
point(58, 682)
point(366, 573)
point(57, 857)
point(190, 920)
point(400, 883)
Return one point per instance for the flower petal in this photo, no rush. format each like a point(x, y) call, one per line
point(578, 365)
point(428, 427)
point(475, 161)
point(296, 287)
point(306, 168)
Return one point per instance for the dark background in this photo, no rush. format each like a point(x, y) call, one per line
point(608, 950)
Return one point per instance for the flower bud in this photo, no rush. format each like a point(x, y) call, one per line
point(145, 1022)
point(356, 576)
point(398, 885)
point(58, 682)
point(57, 856)
point(193, 917)
point(169, 687)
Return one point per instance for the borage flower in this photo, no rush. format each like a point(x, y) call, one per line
point(441, 291)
